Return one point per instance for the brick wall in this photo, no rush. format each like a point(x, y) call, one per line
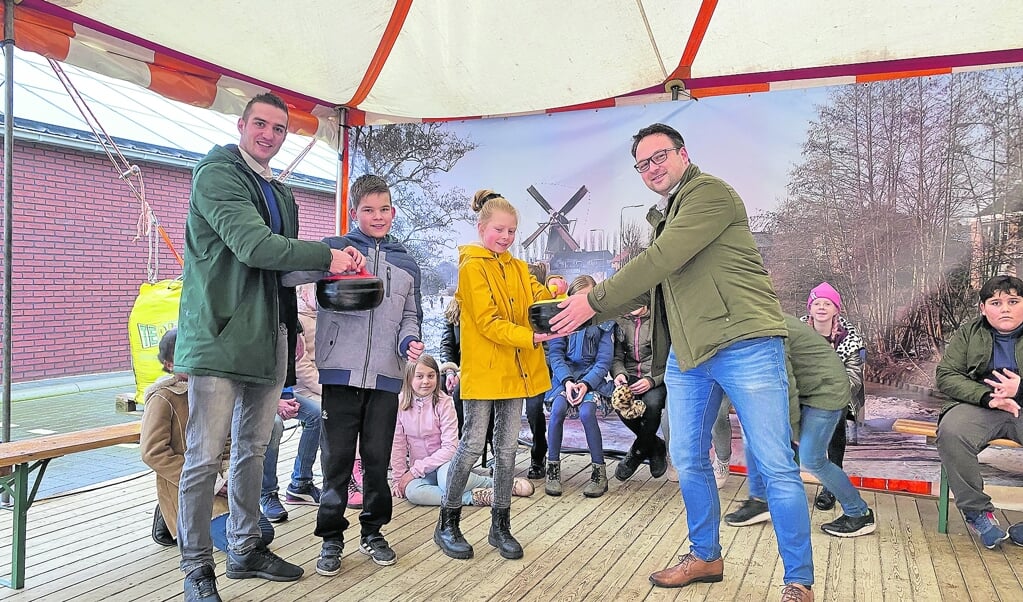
point(77, 268)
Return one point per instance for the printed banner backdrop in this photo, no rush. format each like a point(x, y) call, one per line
point(905, 195)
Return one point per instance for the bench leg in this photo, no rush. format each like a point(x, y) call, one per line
point(17, 485)
point(943, 502)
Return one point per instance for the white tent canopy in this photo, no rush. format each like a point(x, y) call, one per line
point(398, 61)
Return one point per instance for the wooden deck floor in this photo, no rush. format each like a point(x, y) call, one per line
point(96, 546)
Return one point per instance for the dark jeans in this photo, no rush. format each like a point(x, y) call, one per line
point(538, 426)
point(351, 414)
point(647, 442)
point(588, 418)
point(836, 448)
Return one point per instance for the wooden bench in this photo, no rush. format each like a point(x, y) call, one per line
point(19, 459)
point(930, 430)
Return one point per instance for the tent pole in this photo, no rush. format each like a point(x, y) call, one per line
point(8, 45)
point(343, 167)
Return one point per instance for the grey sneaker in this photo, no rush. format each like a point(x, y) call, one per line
point(201, 585)
point(329, 563)
point(751, 512)
point(850, 526)
point(375, 546)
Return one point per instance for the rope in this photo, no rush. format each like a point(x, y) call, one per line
point(147, 218)
point(281, 177)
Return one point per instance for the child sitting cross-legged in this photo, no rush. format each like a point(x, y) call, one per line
point(425, 439)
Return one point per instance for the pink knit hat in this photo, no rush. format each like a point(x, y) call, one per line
point(825, 291)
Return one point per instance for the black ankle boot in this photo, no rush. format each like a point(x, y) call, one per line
point(448, 536)
point(161, 532)
point(500, 534)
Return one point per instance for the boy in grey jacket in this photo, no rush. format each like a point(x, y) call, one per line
point(361, 358)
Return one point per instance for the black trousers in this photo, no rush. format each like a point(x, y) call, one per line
point(538, 426)
point(350, 414)
point(647, 442)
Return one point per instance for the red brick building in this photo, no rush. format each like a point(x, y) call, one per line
point(76, 264)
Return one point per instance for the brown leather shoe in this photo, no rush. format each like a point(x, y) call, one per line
point(690, 569)
point(795, 592)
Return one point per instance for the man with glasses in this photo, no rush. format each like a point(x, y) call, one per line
point(717, 326)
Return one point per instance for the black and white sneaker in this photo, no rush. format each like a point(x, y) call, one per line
point(329, 563)
point(751, 512)
point(850, 526)
point(375, 546)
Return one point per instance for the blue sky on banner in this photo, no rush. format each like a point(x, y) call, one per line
point(751, 141)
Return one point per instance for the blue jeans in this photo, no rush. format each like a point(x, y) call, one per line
point(308, 445)
point(816, 426)
point(753, 375)
point(429, 490)
point(587, 415)
point(218, 407)
point(218, 531)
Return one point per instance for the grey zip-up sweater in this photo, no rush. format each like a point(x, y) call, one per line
point(366, 349)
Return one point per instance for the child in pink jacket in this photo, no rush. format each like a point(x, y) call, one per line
point(425, 439)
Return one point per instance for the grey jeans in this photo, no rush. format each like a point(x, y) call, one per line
point(218, 407)
point(507, 421)
point(965, 430)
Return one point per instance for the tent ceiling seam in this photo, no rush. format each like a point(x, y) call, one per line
point(650, 35)
point(376, 65)
point(700, 26)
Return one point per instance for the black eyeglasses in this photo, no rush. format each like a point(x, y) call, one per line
point(657, 158)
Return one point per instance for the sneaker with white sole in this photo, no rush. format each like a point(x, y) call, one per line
point(375, 546)
point(750, 512)
point(1016, 534)
point(304, 495)
point(329, 563)
point(850, 526)
point(985, 525)
point(272, 508)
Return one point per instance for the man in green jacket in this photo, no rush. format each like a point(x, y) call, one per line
point(236, 338)
point(980, 374)
point(718, 328)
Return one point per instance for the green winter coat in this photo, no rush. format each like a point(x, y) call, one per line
point(707, 278)
point(817, 374)
point(967, 362)
point(229, 315)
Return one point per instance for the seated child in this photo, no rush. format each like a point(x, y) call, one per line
point(163, 449)
point(980, 374)
point(425, 439)
point(579, 364)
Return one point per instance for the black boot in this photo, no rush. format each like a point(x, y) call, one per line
point(161, 533)
point(448, 536)
point(500, 534)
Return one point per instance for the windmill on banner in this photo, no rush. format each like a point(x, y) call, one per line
point(563, 254)
point(559, 227)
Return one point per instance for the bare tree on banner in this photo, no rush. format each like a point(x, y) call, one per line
point(889, 204)
point(409, 157)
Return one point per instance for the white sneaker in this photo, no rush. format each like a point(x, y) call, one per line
point(720, 471)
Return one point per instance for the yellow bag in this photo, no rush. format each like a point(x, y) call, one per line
point(154, 313)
